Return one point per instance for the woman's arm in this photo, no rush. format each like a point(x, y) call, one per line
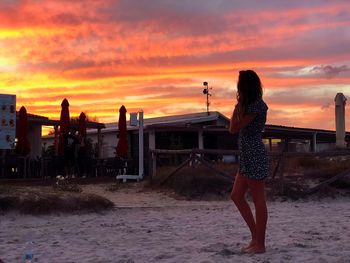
point(239, 121)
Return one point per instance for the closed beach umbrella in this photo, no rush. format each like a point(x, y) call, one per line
point(82, 125)
point(64, 124)
point(23, 145)
point(122, 146)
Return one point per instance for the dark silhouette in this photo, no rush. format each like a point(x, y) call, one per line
point(71, 144)
point(82, 156)
point(23, 145)
point(122, 146)
point(82, 151)
point(248, 118)
point(64, 125)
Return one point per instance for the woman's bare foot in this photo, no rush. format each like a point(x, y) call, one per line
point(246, 248)
point(256, 249)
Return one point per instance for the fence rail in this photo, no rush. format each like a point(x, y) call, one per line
point(236, 152)
point(280, 158)
point(13, 166)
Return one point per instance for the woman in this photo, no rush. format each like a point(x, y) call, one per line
point(248, 118)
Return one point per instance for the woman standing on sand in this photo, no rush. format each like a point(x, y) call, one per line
point(248, 118)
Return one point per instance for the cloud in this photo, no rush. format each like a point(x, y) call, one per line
point(156, 53)
point(329, 71)
point(316, 72)
point(65, 19)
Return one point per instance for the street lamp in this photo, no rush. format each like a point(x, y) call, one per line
point(206, 92)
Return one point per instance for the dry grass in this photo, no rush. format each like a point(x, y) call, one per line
point(196, 182)
point(300, 174)
point(45, 200)
point(321, 167)
point(304, 173)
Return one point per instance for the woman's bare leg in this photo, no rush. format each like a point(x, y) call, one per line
point(257, 189)
point(239, 190)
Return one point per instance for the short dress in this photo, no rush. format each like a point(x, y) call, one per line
point(253, 161)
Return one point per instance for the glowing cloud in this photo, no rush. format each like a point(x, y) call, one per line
point(156, 54)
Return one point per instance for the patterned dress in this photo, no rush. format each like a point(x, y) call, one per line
point(253, 162)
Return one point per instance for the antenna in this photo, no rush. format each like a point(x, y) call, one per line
point(206, 92)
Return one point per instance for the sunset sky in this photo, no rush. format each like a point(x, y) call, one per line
point(155, 54)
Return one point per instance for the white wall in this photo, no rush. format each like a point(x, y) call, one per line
point(109, 142)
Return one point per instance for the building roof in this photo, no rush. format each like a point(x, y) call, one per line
point(279, 131)
point(289, 128)
point(33, 117)
point(45, 121)
point(217, 122)
point(214, 117)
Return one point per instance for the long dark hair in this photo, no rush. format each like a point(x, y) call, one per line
point(249, 88)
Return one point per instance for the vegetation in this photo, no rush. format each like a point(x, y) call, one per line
point(299, 175)
point(41, 200)
point(196, 182)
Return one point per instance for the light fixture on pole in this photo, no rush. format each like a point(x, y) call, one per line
point(206, 92)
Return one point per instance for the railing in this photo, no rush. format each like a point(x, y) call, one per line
point(278, 163)
point(208, 154)
point(15, 167)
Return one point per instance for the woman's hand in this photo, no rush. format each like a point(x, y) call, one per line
point(239, 120)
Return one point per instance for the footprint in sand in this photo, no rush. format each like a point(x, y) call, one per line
point(220, 249)
point(226, 252)
point(126, 261)
point(213, 247)
point(163, 256)
point(301, 245)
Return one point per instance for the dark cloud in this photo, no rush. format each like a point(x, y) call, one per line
point(172, 18)
point(136, 10)
point(9, 3)
point(326, 105)
point(329, 71)
point(66, 19)
point(311, 96)
point(155, 53)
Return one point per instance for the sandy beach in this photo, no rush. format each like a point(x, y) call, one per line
point(149, 226)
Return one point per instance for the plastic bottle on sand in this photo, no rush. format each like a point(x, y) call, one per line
point(29, 256)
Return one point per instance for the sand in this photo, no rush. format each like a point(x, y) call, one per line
point(149, 226)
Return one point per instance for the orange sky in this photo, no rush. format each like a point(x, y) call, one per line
point(155, 55)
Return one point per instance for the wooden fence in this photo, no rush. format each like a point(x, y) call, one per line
point(279, 160)
point(16, 167)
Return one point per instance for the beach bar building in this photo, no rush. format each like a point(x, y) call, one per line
point(13, 165)
point(205, 131)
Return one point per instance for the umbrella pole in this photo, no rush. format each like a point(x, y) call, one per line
point(139, 176)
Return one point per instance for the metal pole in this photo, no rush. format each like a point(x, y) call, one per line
point(208, 99)
point(141, 144)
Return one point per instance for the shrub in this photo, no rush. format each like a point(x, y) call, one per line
point(36, 201)
point(194, 183)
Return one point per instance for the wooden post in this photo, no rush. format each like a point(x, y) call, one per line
point(2, 160)
point(56, 140)
point(340, 101)
point(153, 157)
point(200, 140)
point(154, 164)
point(286, 145)
point(99, 143)
point(281, 174)
point(314, 142)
